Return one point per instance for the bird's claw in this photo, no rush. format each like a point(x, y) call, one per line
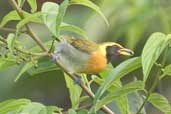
point(55, 57)
point(77, 80)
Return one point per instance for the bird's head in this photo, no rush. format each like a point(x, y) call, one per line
point(112, 49)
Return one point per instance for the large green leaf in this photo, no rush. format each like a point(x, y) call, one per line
point(74, 91)
point(37, 108)
point(60, 16)
point(53, 16)
point(12, 105)
point(117, 73)
point(130, 87)
point(91, 5)
point(25, 106)
point(152, 50)
point(25, 67)
point(50, 12)
point(33, 5)
point(73, 28)
point(160, 102)
point(34, 108)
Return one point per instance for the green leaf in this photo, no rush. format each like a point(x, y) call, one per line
point(52, 109)
point(106, 72)
point(12, 105)
point(73, 28)
point(128, 88)
point(33, 5)
point(12, 16)
point(123, 105)
point(10, 41)
point(25, 106)
point(44, 66)
point(152, 50)
point(60, 16)
point(91, 5)
point(167, 70)
point(83, 111)
point(32, 18)
point(71, 111)
point(117, 73)
point(50, 13)
point(24, 69)
point(160, 102)
point(7, 62)
point(74, 91)
point(33, 108)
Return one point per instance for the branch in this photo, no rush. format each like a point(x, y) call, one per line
point(45, 49)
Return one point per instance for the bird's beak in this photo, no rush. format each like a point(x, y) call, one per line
point(125, 52)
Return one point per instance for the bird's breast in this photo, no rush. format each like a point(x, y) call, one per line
point(95, 64)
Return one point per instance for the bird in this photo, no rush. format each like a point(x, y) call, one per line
point(79, 55)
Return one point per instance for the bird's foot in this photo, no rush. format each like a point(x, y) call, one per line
point(55, 57)
point(77, 80)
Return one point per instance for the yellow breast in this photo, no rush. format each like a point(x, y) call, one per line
point(95, 64)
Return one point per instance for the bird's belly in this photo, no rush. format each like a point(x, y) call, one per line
point(96, 63)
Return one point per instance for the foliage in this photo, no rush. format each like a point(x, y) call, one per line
point(14, 106)
point(111, 89)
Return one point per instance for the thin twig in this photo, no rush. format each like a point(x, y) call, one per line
point(40, 44)
point(10, 30)
point(7, 29)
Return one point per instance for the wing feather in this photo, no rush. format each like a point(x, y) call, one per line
point(82, 44)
